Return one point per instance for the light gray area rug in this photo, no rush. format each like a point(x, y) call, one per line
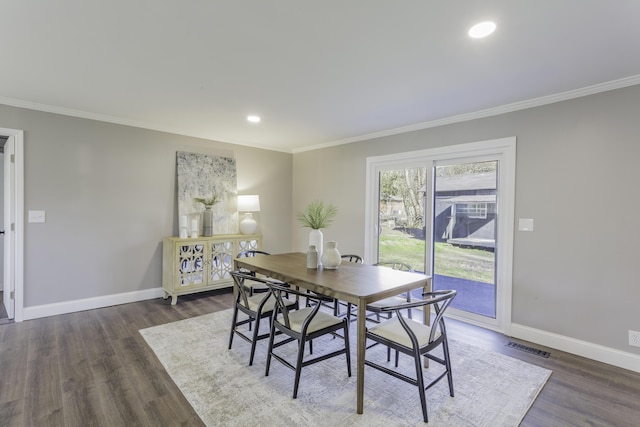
point(490, 389)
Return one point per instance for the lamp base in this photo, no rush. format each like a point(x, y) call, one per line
point(248, 225)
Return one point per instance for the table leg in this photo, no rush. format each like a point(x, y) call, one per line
point(362, 340)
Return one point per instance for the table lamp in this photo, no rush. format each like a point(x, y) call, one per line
point(248, 204)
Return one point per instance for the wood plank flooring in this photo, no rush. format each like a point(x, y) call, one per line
point(93, 368)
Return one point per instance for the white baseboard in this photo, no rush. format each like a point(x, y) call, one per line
point(619, 358)
point(47, 310)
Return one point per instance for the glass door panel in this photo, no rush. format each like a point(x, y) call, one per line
point(464, 240)
point(401, 222)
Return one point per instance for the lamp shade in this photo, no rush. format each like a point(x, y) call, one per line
point(250, 203)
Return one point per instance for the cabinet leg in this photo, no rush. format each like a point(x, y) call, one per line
point(174, 299)
point(165, 295)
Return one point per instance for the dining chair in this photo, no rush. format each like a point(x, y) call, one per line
point(415, 339)
point(396, 265)
point(252, 285)
point(255, 307)
point(337, 305)
point(352, 258)
point(374, 307)
point(303, 325)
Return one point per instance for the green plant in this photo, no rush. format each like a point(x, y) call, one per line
point(317, 215)
point(208, 202)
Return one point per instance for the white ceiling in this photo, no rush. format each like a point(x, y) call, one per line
point(318, 72)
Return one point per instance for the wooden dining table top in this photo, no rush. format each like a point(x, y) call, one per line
point(350, 282)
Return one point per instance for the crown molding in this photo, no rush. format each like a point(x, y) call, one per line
point(126, 122)
point(508, 108)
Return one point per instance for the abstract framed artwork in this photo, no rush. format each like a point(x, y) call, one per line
point(203, 176)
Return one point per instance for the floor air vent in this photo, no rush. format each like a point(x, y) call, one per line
point(528, 349)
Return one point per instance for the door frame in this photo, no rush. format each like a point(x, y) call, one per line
point(14, 222)
point(502, 149)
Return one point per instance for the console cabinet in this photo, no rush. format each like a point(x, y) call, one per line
point(200, 264)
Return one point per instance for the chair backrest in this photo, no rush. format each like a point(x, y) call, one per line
point(242, 292)
point(396, 265)
point(440, 300)
point(251, 253)
point(247, 254)
point(352, 258)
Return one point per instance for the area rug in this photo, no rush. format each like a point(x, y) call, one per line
point(490, 389)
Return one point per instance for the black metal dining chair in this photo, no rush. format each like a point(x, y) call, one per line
point(411, 337)
point(352, 258)
point(256, 307)
point(374, 307)
point(302, 326)
point(252, 285)
point(338, 305)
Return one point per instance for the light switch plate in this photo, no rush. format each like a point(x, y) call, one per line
point(525, 224)
point(37, 216)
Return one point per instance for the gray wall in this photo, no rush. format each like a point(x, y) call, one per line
point(577, 176)
point(109, 192)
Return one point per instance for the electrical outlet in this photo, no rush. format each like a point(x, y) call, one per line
point(634, 338)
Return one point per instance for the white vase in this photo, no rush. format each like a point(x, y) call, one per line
point(312, 258)
point(315, 239)
point(331, 257)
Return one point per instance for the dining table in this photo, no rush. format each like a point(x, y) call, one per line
point(355, 283)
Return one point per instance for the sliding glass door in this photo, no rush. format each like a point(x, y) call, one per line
point(448, 212)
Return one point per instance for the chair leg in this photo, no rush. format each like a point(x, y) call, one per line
point(420, 379)
point(447, 364)
point(234, 319)
point(347, 346)
point(298, 367)
point(256, 329)
point(336, 310)
point(272, 335)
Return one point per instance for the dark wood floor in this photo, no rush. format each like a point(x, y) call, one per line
point(94, 369)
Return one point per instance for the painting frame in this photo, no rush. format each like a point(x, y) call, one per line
point(202, 176)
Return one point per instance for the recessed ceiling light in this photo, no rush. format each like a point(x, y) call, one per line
point(253, 119)
point(482, 29)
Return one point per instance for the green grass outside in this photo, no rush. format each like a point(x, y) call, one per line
point(465, 263)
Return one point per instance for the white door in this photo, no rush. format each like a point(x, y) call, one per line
point(13, 223)
point(7, 237)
